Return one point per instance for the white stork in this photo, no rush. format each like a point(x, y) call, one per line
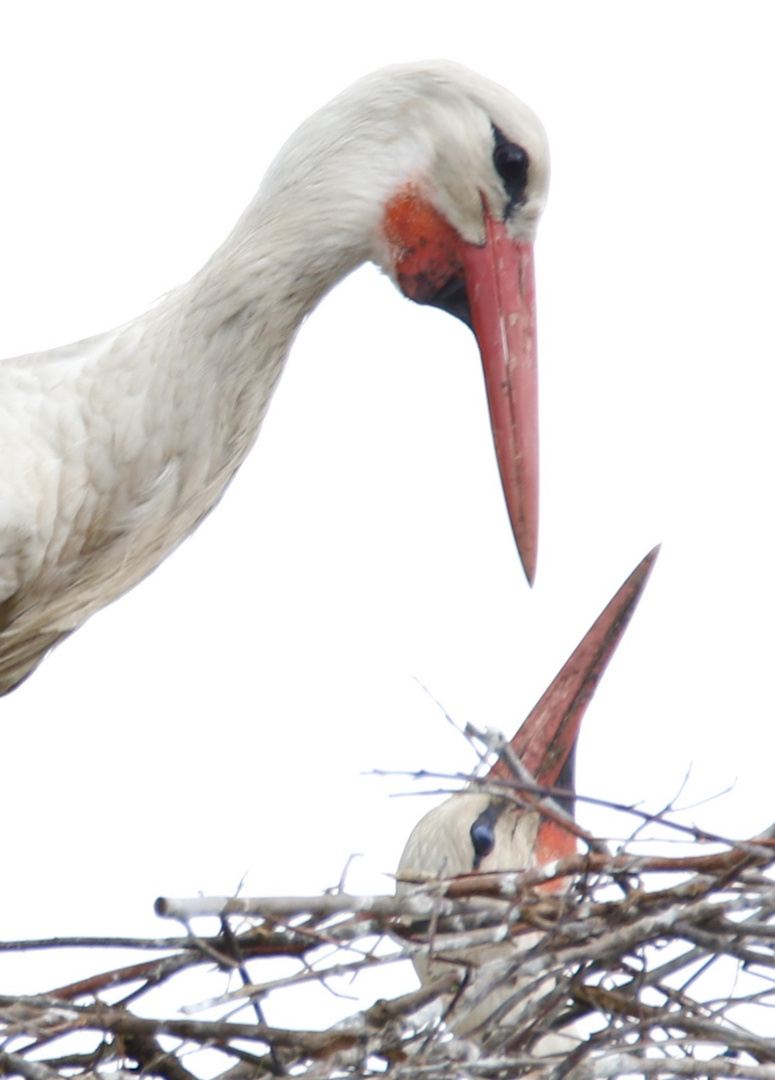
point(113, 449)
point(493, 826)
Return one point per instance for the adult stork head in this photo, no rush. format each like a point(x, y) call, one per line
point(441, 178)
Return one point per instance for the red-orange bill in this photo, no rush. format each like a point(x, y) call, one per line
point(500, 284)
point(492, 289)
point(545, 741)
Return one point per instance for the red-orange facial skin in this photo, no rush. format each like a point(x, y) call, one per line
point(424, 247)
point(553, 842)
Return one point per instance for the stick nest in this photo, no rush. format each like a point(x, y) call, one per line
point(662, 965)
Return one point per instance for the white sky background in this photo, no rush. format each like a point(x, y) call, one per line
point(218, 721)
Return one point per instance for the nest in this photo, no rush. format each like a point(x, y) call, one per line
point(659, 965)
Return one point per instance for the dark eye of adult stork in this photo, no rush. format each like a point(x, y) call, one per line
point(483, 834)
point(511, 163)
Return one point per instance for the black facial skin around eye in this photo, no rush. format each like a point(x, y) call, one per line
point(483, 834)
point(483, 838)
point(566, 780)
point(511, 163)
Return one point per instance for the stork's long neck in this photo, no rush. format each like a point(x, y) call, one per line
point(317, 215)
point(236, 319)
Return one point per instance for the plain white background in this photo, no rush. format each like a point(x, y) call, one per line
point(220, 721)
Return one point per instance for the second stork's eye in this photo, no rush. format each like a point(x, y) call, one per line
point(483, 836)
point(511, 163)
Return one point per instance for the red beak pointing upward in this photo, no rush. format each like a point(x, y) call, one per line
point(546, 741)
point(491, 288)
